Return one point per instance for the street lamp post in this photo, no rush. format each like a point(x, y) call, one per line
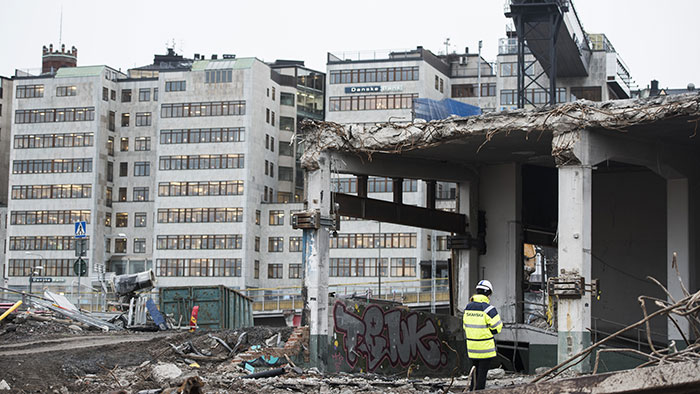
point(34, 268)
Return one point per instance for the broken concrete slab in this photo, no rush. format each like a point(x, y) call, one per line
point(164, 372)
point(669, 378)
point(562, 120)
point(4, 386)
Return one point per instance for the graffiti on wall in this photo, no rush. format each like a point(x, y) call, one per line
point(393, 334)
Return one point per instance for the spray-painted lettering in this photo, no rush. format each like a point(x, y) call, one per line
point(379, 335)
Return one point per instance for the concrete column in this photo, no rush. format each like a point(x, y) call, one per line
point(466, 261)
point(678, 241)
point(430, 189)
point(500, 198)
point(397, 187)
point(315, 261)
point(574, 248)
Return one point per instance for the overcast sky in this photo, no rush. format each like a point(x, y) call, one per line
point(657, 40)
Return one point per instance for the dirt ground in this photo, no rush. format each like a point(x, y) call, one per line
point(42, 359)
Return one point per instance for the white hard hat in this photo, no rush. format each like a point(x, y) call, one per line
point(484, 285)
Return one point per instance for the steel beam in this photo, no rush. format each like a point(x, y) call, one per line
point(408, 215)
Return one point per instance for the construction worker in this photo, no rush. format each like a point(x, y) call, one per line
point(481, 322)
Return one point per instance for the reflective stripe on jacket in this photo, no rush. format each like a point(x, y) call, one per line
point(481, 321)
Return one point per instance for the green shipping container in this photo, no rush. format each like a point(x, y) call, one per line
point(219, 306)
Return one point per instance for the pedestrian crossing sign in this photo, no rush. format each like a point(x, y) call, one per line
point(80, 230)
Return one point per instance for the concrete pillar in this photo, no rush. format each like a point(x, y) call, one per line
point(315, 261)
point(678, 241)
point(397, 187)
point(574, 249)
point(500, 197)
point(430, 189)
point(466, 261)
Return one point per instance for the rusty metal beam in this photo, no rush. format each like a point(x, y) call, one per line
point(408, 215)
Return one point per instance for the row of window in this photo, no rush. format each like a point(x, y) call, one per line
point(120, 245)
point(140, 219)
point(196, 136)
point(185, 242)
point(275, 270)
point(200, 215)
point(40, 192)
point(471, 90)
point(199, 267)
point(30, 91)
point(144, 94)
point(217, 108)
point(43, 242)
point(139, 194)
point(534, 96)
point(373, 240)
point(52, 267)
point(218, 76)
point(375, 102)
point(50, 217)
point(62, 140)
point(201, 162)
point(48, 166)
point(367, 267)
point(374, 75)
point(140, 144)
point(48, 115)
point(194, 189)
point(175, 86)
point(276, 244)
point(141, 168)
point(374, 185)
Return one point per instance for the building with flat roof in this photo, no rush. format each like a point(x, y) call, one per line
point(172, 165)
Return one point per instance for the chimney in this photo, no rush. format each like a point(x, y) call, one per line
point(654, 85)
point(466, 50)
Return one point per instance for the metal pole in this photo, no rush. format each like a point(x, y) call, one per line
point(80, 271)
point(432, 271)
point(478, 77)
point(379, 263)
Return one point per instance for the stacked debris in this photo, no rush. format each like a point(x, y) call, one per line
point(687, 308)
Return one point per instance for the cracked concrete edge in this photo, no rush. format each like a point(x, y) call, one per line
point(559, 120)
point(664, 378)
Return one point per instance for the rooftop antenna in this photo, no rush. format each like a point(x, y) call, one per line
point(60, 29)
point(447, 45)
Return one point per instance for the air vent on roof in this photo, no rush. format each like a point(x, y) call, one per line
point(228, 56)
point(214, 57)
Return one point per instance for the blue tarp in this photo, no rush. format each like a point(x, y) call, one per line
point(429, 109)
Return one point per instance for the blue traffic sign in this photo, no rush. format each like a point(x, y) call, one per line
point(80, 229)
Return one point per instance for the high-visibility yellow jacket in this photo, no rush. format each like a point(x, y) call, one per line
point(481, 322)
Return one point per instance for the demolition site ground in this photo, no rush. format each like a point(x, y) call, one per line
point(39, 357)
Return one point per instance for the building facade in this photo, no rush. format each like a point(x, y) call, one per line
point(172, 166)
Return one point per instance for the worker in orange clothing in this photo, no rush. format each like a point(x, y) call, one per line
point(481, 322)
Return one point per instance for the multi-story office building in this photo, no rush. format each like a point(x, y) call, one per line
point(366, 88)
point(171, 165)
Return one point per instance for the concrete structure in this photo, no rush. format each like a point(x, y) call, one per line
point(615, 205)
point(173, 166)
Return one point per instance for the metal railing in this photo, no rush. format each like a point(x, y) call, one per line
point(408, 292)
point(641, 334)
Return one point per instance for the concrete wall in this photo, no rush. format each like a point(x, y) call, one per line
point(499, 196)
point(629, 243)
point(389, 340)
